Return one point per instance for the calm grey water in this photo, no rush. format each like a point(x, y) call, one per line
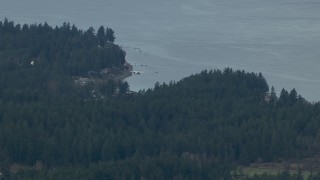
point(176, 38)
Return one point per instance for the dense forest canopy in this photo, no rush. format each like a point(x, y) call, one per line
point(39, 60)
point(197, 128)
point(64, 48)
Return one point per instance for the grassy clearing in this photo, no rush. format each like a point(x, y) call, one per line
point(251, 171)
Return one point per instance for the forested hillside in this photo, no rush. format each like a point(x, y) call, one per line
point(66, 48)
point(38, 60)
point(197, 128)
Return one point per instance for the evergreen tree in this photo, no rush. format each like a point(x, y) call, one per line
point(101, 35)
point(273, 95)
point(110, 35)
point(293, 97)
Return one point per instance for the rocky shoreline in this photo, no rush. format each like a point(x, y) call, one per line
point(118, 75)
point(105, 75)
